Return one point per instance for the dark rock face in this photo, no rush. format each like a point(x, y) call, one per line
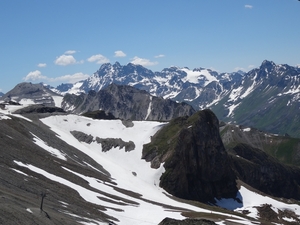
point(39, 109)
point(109, 143)
point(127, 103)
point(100, 115)
point(196, 162)
point(265, 173)
point(106, 143)
point(170, 221)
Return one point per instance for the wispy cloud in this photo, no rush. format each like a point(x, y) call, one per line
point(244, 69)
point(70, 78)
point(119, 54)
point(70, 52)
point(159, 56)
point(42, 65)
point(248, 6)
point(143, 62)
point(239, 68)
point(99, 59)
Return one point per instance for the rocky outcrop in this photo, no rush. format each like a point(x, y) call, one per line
point(82, 137)
point(106, 143)
point(265, 173)
point(39, 109)
point(126, 103)
point(170, 221)
point(198, 167)
point(99, 115)
point(109, 143)
point(196, 162)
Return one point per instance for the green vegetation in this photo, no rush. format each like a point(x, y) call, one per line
point(164, 139)
point(287, 150)
point(284, 148)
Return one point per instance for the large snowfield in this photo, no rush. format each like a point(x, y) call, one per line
point(130, 172)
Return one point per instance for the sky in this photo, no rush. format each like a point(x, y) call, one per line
point(64, 41)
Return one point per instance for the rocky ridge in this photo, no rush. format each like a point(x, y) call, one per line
point(28, 93)
point(126, 103)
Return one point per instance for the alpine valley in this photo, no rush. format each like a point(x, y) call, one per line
point(133, 146)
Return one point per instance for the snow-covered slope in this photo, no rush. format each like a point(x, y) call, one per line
point(131, 173)
point(118, 183)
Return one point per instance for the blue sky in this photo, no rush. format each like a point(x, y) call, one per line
point(60, 41)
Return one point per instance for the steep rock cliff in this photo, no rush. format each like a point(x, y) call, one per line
point(196, 162)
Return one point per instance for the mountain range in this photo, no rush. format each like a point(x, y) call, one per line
point(267, 97)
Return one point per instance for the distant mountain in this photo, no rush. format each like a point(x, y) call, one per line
point(1, 94)
point(181, 84)
point(28, 93)
point(126, 102)
point(267, 97)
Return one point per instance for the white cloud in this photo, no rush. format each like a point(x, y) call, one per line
point(42, 65)
point(248, 6)
point(251, 66)
point(159, 56)
point(143, 62)
point(99, 59)
point(70, 52)
point(119, 54)
point(65, 60)
point(34, 75)
point(37, 75)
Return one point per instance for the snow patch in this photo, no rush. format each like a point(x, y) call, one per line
point(51, 150)
point(247, 129)
point(149, 108)
point(194, 76)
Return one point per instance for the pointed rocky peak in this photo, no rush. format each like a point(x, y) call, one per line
point(117, 64)
point(104, 66)
point(193, 153)
point(267, 64)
